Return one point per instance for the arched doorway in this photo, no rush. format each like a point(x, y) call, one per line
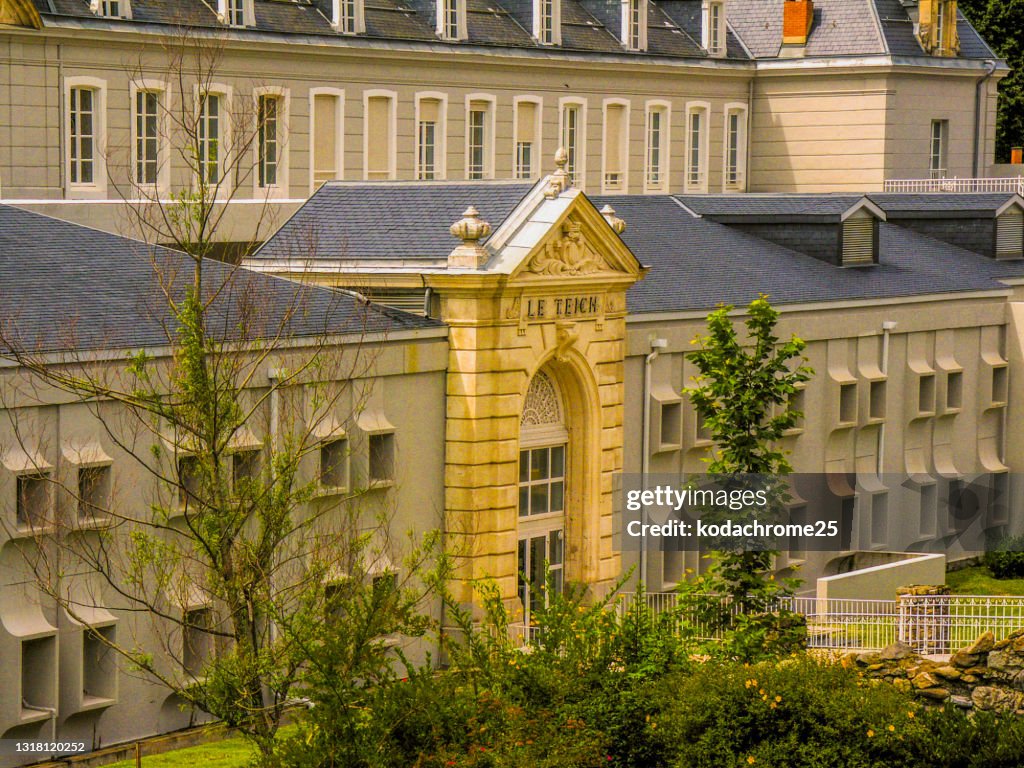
point(543, 449)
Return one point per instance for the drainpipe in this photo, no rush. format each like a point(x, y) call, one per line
point(645, 456)
point(990, 68)
point(887, 327)
point(750, 128)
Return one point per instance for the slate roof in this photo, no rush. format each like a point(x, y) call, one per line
point(697, 264)
point(387, 220)
point(841, 27)
point(64, 286)
point(944, 204)
point(777, 207)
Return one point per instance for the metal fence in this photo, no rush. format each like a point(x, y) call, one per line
point(931, 624)
point(1006, 184)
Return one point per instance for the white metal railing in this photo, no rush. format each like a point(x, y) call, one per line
point(1005, 184)
point(931, 624)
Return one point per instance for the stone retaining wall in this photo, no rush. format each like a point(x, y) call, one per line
point(986, 675)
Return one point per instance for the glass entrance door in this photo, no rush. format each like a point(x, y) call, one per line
point(541, 524)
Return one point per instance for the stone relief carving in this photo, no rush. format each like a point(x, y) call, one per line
point(565, 337)
point(570, 254)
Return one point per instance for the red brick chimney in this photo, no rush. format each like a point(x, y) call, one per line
point(797, 17)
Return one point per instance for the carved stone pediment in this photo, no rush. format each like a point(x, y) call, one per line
point(569, 254)
point(19, 13)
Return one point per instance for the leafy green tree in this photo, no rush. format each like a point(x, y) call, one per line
point(1001, 24)
point(742, 395)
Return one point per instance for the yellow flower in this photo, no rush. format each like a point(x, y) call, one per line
point(773, 705)
point(762, 692)
point(778, 698)
point(910, 715)
point(870, 733)
point(751, 760)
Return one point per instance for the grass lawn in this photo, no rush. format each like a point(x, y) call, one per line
point(978, 581)
point(230, 753)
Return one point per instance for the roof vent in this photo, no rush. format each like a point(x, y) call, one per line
point(860, 240)
point(1010, 234)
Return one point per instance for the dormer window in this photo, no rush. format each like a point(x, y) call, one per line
point(713, 27)
point(937, 27)
point(1010, 234)
point(111, 9)
point(634, 24)
point(347, 17)
point(547, 22)
point(236, 13)
point(451, 19)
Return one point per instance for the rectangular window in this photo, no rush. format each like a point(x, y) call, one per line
point(268, 140)
point(571, 139)
point(847, 403)
point(940, 26)
point(450, 20)
point(33, 505)
point(83, 135)
point(99, 670)
point(734, 150)
point(245, 470)
point(546, 22)
point(347, 16)
point(616, 141)
point(715, 28)
point(235, 16)
point(111, 9)
point(527, 113)
point(876, 400)
point(656, 134)
point(147, 139)
point(1000, 384)
point(954, 390)
point(334, 463)
point(197, 640)
point(189, 482)
point(93, 492)
point(478, 140)
point(379, 137)
point(382, 457)
point(695, 173)
point(926, 393)
point(541, 481)
point(937, 156)
point(879, 519)
point(326, 108)
point(634, 39)
point(426, 139)
point(209, 138)
point(38, 675)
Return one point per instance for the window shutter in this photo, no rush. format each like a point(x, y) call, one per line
point(859, 240)
point(1010, 235)
point(409, 300)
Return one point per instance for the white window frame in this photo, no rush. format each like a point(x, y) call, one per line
point(225, 134)
point(357, 25)
point(163, 161)
point(489, 132)
point(664, 108)
point(713, 41)
point(280, 188)
point(100, 8)
point(535, 151)
point(634, 39)
point(440, 133)
point(579, 179)
point(941, 170)
point(740, 110)
point(392, 131)
point(248, 14)
point(704, 108)
point(556, 22)
point(98, 186)
point(443, 7)
point(339, 143)
point(623, 188)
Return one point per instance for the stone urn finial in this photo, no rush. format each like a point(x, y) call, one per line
point(470, 229)
point(613, 221)
point(560, 179)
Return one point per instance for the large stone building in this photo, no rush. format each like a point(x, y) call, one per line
point(647, 96)
point(526, 363)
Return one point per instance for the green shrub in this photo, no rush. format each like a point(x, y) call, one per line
point(1006, 561)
